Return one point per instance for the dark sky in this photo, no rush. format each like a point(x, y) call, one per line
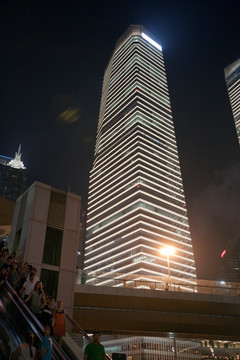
point(53, 56)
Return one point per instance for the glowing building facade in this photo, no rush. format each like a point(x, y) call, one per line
point(232, 77)
point(13, 176)
point(136, 202)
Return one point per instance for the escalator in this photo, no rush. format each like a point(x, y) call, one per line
point(16, 320)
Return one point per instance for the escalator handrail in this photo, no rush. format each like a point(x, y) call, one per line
point(33, 320)
point(79, 328)
point(83, 332)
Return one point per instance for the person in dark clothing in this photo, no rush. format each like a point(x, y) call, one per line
point(3, 257)
point(95, 350)
point(14, 275)
point(23, 275)
point(47, 314)
point(3, 275)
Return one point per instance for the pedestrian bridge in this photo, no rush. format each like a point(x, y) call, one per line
point(201, 314)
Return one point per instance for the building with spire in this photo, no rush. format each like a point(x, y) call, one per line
point(5, 159)
point(232, 77)
point(136, 202)
point(13, 176)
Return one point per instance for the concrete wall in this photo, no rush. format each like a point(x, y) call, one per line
point(31, 218)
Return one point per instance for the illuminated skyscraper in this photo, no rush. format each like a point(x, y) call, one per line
point(232, 77)
point(136, 202)
point(13, 176)
point(4, 160)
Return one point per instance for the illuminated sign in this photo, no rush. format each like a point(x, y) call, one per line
point(151, 41)
point(223, 253)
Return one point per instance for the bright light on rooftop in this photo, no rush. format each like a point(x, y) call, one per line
point(151, 41)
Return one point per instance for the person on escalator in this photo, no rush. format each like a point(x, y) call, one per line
point(33, 271)
point(46, 348)
point(26, 351)
point(59, 323)
point(3, 257)
point(28, 286)
point(37, 297)
point(3, 275)
point(23, 274)
point(14, 275)
point(8, 263)
point(47, 314)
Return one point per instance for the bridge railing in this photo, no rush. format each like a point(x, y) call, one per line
point(159, 283)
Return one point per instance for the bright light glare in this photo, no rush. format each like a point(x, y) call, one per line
point(151, 41)
point(168, 250)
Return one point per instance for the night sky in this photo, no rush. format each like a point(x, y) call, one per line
point(53, 56)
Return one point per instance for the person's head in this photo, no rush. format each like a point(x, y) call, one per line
point(29, 268)
point(96, 336)
point(31, 277)
point(2, 246)
point(50, 301)
point(5, 252)
point(14, 266)
point(4, 270)
point(10, 259)
point(60, 305)
point(29, 337)
point(48, 330)
point(25, 267)
point(34, 270)
point(38, 286)
point(7, 267)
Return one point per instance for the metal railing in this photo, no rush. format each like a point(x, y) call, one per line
point(78, 335)
point(160, 283)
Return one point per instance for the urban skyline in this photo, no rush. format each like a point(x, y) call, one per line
point(53, 60)
point(136, 200)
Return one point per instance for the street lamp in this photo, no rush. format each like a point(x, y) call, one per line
point(168, 250)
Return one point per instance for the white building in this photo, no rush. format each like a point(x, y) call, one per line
point(232, 77)
point(45, 233)
point(136, 203)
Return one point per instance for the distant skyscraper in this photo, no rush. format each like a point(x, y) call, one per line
point(4, 160)
point(13, 177)
point(136, 203)
point(232, 77)
point(230, 270)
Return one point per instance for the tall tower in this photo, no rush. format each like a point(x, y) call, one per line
point(232, 77)
point(136, 202)
point(13, 177)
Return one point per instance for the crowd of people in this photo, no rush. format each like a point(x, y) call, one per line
point(25, 281)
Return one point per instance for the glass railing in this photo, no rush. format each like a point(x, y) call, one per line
point(160, 283)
